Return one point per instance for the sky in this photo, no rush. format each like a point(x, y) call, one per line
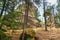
point(41, 10)
point(52, 1)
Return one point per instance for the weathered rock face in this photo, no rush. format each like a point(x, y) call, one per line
point(31, 15)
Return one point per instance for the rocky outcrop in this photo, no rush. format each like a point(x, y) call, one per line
point(32, 22)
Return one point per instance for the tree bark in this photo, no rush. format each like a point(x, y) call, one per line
point(44, 15)
point(25, 17)
point(4, 2)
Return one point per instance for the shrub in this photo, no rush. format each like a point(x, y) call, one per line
point(3, 30)
point(30, 32)
point(57, 25)
point(28, 35)
point(3, 36)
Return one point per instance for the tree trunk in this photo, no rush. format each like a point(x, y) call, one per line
point(4, 2)
point(25, 17)
point(44, 15)
point(54, 17)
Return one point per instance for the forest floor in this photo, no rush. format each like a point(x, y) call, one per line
point(41, 34)
point(51, 34)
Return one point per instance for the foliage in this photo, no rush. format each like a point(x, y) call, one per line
point(29, 34)
point(3, 36)
point(58, 6)
point(39, 20)
point(11, 19)
point(48, 12)
point(30, 31)
point(57, 19)
point(57, 16)
point(57, 25)
point(37, 15)
point(7, 6)
point(3, 30)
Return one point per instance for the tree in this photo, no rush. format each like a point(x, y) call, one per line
point(58, 6)
point(57, 17)
point(8, 7)
point(57, 20)
point(4, 2)
point(37, 16)
point(25, 17)
point(11, 20)
point(44, 15)
point(49, 15)
point(28, 3)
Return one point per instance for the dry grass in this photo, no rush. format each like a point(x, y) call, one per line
point(51, 34)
